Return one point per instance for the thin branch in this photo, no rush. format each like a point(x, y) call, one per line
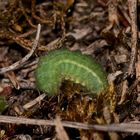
point(122, 127)
point(21, 62)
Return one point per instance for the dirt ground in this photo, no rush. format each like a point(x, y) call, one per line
point(108, 31)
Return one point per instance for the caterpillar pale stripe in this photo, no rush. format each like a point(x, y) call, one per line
point(63, 64)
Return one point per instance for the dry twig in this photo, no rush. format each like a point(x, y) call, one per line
point(21, 62)
point(35, 101)
point(133, 127)
point(134, 37)
point(61, 133)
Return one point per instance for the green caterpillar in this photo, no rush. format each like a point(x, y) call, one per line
point(62, 64)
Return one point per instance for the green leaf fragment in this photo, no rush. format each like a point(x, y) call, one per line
point(3, 104)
